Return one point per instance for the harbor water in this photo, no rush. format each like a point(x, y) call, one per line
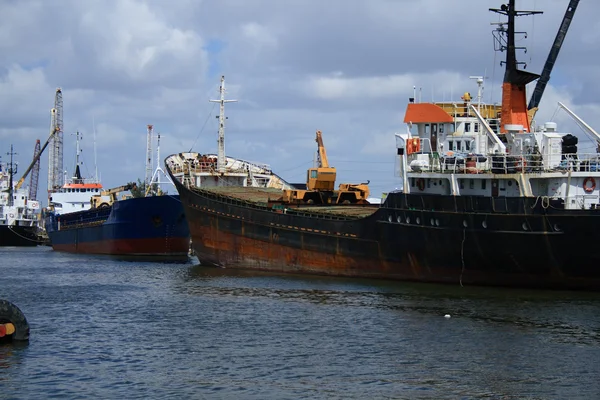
point(102, 328)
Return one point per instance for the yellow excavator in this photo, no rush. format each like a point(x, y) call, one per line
point(98, 201)
point(320, 185)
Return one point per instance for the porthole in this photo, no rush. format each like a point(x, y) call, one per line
point(465, 223)
point(437, 222)
point(407, 219)
point(389, 218)
point(418, 221)
point(432, 222)
point(524, 226)
point(398, 219)
point(484, 224)
point(556, 228)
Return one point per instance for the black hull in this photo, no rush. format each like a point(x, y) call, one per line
point(514, 242)
point(18, 236)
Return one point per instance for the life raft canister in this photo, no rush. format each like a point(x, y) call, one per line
point(413, 146)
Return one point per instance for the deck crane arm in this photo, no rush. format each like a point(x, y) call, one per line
point(592, 134)
point(37, 157)
point(323, 162)
point(540, 86)
point(114, 191)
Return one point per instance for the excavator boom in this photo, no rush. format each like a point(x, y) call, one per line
point(323, 162)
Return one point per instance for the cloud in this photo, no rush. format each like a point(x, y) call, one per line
point(294, 67)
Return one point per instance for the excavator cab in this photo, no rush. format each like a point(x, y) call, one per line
point(321, 179)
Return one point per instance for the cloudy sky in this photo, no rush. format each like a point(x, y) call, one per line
point(346, 67)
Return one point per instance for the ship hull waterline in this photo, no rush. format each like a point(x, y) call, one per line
point(551, 250)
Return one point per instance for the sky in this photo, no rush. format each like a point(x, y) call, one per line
point(345, 67)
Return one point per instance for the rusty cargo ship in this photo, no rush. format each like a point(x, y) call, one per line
point(488, 197)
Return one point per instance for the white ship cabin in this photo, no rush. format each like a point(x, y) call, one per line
point(456, 149)
point(75, 195)
point(202, 170)
point(18, 211)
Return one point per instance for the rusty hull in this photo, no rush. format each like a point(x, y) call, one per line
point(412, 238)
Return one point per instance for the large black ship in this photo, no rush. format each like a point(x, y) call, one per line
point(488, 197)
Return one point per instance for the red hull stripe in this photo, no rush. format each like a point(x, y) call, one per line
point(145, 247)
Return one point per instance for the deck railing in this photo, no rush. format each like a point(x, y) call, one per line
point(504, 163)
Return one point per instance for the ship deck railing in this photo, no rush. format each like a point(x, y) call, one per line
point(459, 163)
point(458, 110)
point(79, 222)
point(267, 206)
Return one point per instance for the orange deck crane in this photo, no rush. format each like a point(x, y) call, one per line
point(320, 184)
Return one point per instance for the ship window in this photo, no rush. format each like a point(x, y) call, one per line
point(450, 145)
point(467, 145)
point(452, 128)
point(427, 129)
point(313, 173)
point(476, 127)
point(467, 127)
point(471, 183)
point(483, 184)
point(441, 130)
point(458, 145)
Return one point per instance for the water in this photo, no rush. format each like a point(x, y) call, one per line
point(108, 329)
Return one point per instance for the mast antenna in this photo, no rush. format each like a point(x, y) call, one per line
point(221, 160)
point(158, 170)
point(148, 176)
point(95, 153)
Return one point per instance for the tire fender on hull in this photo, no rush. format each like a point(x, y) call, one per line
point(10, 313)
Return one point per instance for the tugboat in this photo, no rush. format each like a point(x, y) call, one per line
point(488, 198)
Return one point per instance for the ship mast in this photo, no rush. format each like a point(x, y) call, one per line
point(221, 161)
point(77, 178)
point(514, 102)
point(12, 169)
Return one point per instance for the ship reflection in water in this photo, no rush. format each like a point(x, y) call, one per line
point(180, 331)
